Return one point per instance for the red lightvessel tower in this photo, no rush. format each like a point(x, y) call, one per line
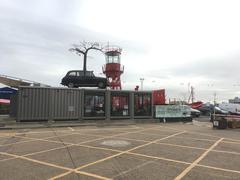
point(113, 68)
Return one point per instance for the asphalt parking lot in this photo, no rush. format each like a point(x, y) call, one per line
point(141, 151)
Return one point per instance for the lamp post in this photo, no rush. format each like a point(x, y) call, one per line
point(141, 79)
point(214, 101)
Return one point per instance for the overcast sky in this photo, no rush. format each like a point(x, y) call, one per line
point(168, 43)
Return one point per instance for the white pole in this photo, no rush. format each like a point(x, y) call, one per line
point(141, 79)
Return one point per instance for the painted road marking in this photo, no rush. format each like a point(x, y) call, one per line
point(220, 169)
point(55, 166)
point(144, 133)
point(189, 168)
point(65, 146)
point(116, 155)
point(159, 158)
point(92, 175)
point(36, 161)
point(210, 167)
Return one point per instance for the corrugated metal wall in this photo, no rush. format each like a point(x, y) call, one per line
point(33, 104)
point(65, 103)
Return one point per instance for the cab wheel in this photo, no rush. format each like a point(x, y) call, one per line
point(70, 85)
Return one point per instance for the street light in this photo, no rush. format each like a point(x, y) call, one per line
point(141, 79)
point(214, 101)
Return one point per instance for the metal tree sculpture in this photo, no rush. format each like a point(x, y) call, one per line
point(83, 48)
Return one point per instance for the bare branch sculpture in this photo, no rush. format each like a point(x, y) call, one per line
point(83, 48)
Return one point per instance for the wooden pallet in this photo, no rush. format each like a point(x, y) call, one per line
point(234, 123)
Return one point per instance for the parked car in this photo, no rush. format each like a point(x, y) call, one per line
point(195, 112)
point(217, 111)
point(76, 78)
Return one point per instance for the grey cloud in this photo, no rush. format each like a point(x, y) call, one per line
point(220, 69)
point(160, 73)
point(36, 48)
point(35, 37)
point(220, 75)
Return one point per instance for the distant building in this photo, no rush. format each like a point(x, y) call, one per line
point(236, 100)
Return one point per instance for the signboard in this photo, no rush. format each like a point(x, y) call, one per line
point(172, 111)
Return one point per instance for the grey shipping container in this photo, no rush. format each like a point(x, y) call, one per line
point(49, 103)
point(33, 104)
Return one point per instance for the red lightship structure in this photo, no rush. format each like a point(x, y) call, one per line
point(113, 68)
point(113, 71)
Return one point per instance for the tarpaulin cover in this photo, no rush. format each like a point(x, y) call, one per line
point(6, 92)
